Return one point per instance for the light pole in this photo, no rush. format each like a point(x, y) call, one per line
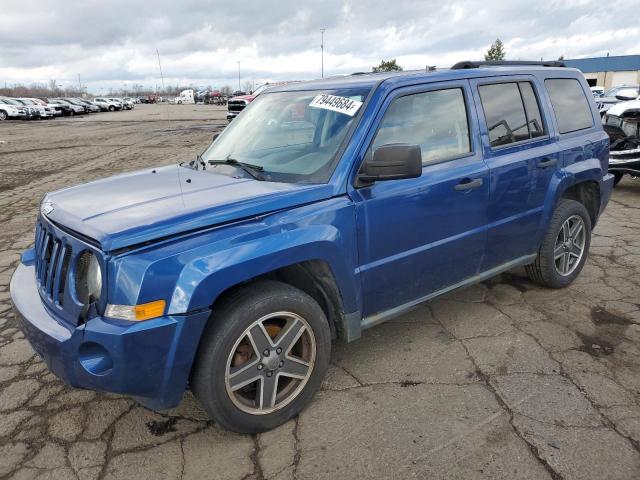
point(322, 51)
point(238, 75)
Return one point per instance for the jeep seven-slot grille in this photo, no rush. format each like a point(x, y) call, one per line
point(236, 105)
point(52, 264)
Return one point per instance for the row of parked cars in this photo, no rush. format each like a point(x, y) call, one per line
point(30, 108)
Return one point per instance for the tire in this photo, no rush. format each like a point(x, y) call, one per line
point(111, 108)
point(71, 113)
point(3, 115)
point(221, 346)
point(617, 176)
point(560, 258)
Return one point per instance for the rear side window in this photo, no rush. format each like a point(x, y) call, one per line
point(512, 112)
point(435, 120)
point(570, 104)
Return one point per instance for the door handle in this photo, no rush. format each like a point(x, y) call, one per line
point(468, 184)
point(547, 162)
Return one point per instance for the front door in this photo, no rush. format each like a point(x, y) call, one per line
point(417, 236)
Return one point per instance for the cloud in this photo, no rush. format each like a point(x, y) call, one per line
point(200, 42)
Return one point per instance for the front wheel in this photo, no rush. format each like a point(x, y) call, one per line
point(564, 248)
point(3, 115)
point(112, 108)
point(262, 357)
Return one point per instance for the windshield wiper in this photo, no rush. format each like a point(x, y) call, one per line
point(254, 170)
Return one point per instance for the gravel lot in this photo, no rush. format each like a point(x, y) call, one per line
point(503, 380)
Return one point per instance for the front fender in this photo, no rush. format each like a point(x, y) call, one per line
point(203, 279)
point(191, 272)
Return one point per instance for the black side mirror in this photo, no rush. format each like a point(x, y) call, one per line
point(625, 98)
point(392, 162)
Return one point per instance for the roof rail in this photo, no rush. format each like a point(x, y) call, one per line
point(506, 63)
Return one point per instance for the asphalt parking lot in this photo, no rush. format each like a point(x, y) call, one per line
point(503, 380)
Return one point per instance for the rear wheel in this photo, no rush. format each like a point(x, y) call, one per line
point(262, 357)
point(564, 248)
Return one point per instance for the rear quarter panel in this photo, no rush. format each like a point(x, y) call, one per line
point(584, 154)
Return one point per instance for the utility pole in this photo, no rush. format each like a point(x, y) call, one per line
point(79, 84)
point(322, 30)
point(238, 74)
point(161, 75)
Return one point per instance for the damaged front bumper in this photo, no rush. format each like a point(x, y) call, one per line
point(624, 150)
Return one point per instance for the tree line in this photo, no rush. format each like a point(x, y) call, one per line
point(53, 89)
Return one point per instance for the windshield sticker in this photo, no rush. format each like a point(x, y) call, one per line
point(336, 104)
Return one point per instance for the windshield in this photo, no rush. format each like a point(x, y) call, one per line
point(622, 90)
point(290, 136)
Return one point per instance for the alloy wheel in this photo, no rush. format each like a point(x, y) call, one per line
point(270, 363)
point(569, 246)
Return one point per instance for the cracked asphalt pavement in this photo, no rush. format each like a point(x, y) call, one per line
point(503, 380)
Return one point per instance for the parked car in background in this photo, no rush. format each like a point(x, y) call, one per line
point(55, 108)
point(130, 101)
point(622, 124)
point(335, 206)
point(237, 103)
point(77, 102)
point(75, 109)
point(119, 101)
point(43, 111)
point(11, 111)
point(66, 109)
point(106, 104)
point(92, 107)
point(621, 93)
point(148, 99)
point(34, 112)
point(215, 97)
point(597, 91)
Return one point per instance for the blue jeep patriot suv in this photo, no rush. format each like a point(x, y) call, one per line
point(324, 209)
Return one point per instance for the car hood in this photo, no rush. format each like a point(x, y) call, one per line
point(149, 204)
point(248, 98)
point(622, 107)
point(607, 100)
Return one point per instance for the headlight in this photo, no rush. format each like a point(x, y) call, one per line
point(88, 278)
point(136, 313)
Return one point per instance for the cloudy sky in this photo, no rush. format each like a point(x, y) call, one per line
point(113, 43)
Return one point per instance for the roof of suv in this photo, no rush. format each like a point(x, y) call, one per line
point(372, 79)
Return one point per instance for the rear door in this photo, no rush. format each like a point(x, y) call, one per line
point(522, 157)
point(416, 236)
